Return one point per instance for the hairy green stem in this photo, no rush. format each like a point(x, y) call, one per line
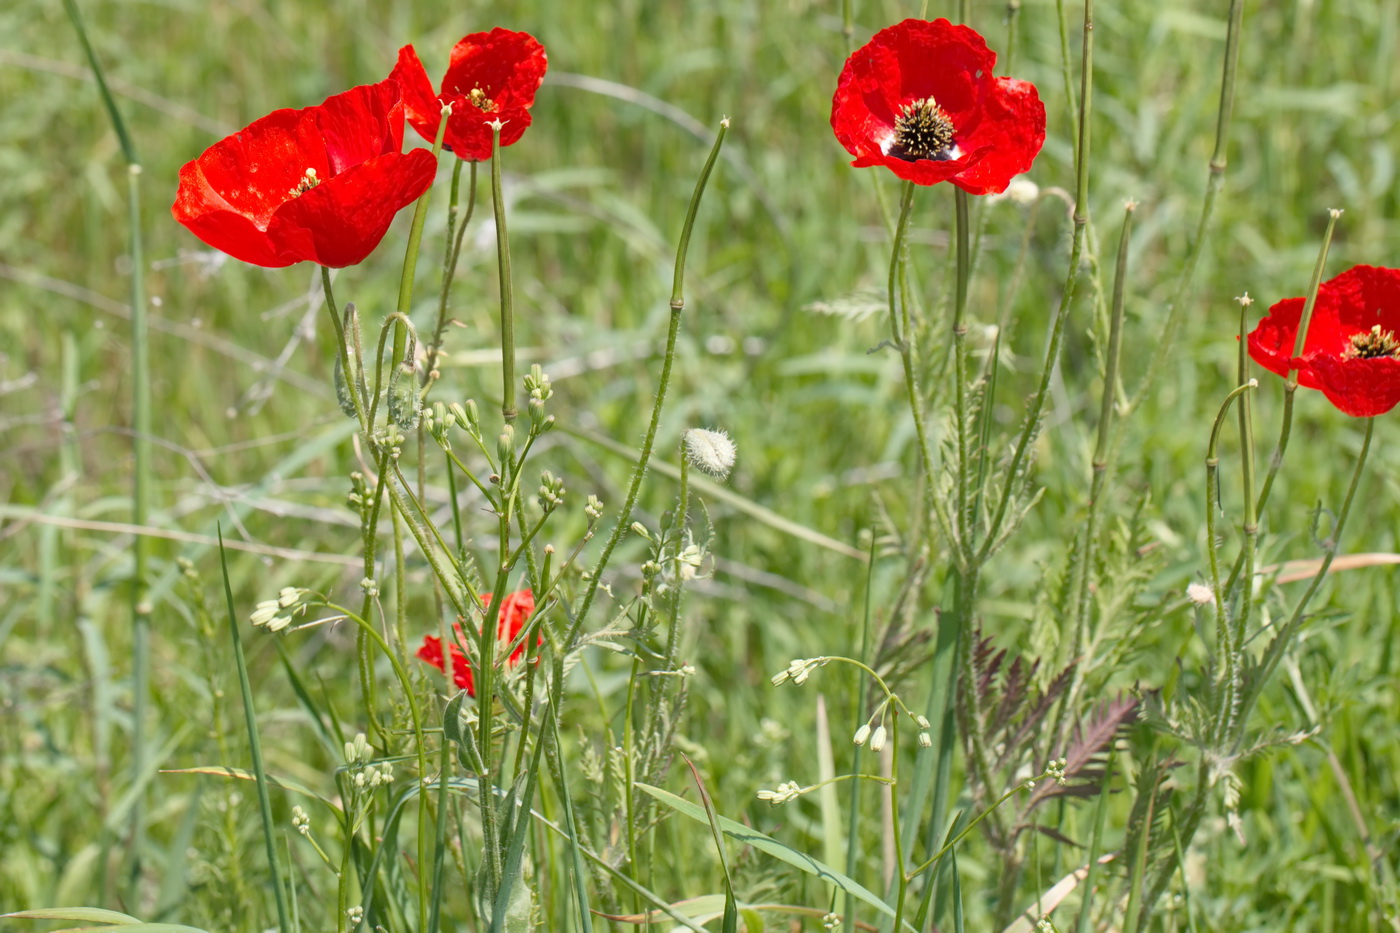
point(415, 240)
point(1214, 185)
point(455, 232)
point(498, 201)
point(1052, 352)
point(1290, 385)
point(624, 517)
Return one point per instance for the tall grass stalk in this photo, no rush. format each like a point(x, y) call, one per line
point(1214, 184)
point(141, 457)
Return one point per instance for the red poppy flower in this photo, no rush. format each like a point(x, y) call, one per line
point(321, 183)
point(1352, 353)
point(515, 609)
point(919, 98)
point(491, 76)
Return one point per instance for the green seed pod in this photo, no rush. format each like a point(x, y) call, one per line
point(342, 390)
point(404, 405)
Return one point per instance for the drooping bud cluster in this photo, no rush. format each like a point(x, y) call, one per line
point(798, 671)
point(785, 792)
point(277, 614)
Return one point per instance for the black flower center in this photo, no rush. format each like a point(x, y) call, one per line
point(922, 130)
point(1373, 343)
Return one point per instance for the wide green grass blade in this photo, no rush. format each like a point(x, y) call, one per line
point(731, 909)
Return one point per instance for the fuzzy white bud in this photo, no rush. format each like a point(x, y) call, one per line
point(710, 451)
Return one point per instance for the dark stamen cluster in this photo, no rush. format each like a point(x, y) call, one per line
point(922, 130)
point(1373, 343)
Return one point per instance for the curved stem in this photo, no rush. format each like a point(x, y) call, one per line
point(1279, 645)
point(1290, 386)
point(644, 458)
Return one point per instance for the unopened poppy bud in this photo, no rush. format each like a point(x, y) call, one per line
point(710, 451)
point(877, 739)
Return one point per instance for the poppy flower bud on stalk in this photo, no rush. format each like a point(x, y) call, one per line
point(710, 451)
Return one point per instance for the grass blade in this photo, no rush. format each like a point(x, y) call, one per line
point(260, 774)
point(779, 850)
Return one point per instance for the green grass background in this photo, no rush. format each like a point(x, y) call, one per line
point(248, 434)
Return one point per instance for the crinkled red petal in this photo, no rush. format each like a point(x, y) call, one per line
point(340, 222)
point(361, 123)
point(508, 67)
point(421, 104)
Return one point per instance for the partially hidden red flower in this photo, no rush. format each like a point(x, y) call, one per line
point(322, 183)
point(491, 76)
point(919, 98)
point(515, 610)
point(1351, 352)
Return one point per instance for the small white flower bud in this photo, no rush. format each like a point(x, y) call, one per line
point(877, 739)
point(265, 612)
point(1200, 594)
point(925, 740)
point(862, 734)
point(922, 722)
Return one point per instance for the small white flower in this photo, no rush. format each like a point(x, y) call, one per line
point(1200, 594)
point(877, 739)
point(862, 734)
